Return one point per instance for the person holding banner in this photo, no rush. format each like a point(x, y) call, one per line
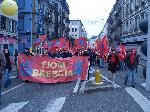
point(27, 52)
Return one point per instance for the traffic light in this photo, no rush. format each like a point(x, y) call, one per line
point(144, 26)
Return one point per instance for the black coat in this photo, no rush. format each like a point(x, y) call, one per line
point(135, 64)
point(112, 67)
point(8, 62)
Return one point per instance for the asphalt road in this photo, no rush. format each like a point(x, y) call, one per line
point(63, 97)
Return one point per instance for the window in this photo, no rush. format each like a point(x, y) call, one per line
point(72, 23)
point(21, 24)
point(3, 23)
point(21, 4)
point(72, 29)
point(146, 14)
point(13, 26)
point(75, 29)
point(142, 16)
point(9, 25)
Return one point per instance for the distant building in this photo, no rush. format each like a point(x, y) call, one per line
point(77, 29)
point(8, 32)
point(92, 40)
point(114, 24)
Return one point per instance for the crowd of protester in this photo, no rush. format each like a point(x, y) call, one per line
point(117, 60)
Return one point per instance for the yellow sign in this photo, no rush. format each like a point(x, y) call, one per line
point(9, 7)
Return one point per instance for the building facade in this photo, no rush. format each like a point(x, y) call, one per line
point(114, 24)
point(38, 17)
point(124, 19)
point(77, 29)
point(61, 13)
point(8, 32)
point(133, 12)
point(27, 23)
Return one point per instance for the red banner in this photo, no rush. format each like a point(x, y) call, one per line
point(52, 70)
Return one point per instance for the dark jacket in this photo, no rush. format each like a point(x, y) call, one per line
point(135, 62)
point(8, 62)
point(2, 63)
point(112, 66)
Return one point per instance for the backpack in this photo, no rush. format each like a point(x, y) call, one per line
point(132, 59)
point(112, 59)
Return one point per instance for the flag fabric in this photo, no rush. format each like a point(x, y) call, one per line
point(81, 42)
point(65, 45)
point(45, 44)
point(103, 45)
point(51, 45)
point(39, 40)
point(57, 43)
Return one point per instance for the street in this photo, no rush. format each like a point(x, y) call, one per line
point(66, 97)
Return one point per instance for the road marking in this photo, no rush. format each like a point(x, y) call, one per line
point(139, 98)
point(92, 79)
point(82, 87)
point(56, 106)
point(14, 107)
point(92, 69)
point(13, 77)
point(143, 85)
point(91, 72)
point(115, 85)
point(77, 86)
point(12, 89)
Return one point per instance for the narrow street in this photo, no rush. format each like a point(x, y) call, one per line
point(74, 56)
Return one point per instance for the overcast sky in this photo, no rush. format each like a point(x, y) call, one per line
point(93, 13)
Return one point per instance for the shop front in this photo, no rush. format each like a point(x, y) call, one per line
point(9, 43)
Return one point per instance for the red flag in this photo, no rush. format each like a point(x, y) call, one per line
point(81, 42)
point(65, 45)
point(104, 45)
point(39, 40)
point(45, 45)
